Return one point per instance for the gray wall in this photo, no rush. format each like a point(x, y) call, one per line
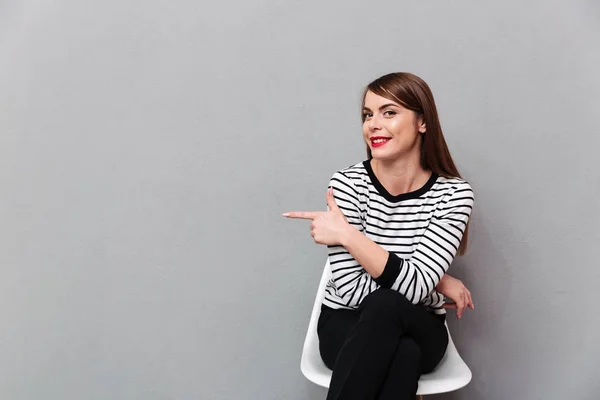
point(147, 149)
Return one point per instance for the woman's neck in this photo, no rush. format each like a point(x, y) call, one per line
point(400, 176)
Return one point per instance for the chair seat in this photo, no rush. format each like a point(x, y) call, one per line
point(451, 374)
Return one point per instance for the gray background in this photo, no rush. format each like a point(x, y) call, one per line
point(147, 149)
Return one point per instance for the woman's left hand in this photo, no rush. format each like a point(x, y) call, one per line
point(455, 290)
point(327, 227)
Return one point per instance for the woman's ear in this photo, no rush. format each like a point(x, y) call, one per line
point(421, 123)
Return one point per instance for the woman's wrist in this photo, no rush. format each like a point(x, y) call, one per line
point(442, 283)
point(347, 235)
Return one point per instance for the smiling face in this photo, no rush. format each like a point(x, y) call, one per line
point(390, 130)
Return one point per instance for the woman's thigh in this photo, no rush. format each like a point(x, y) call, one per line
point(333, 328)
point(388, 307)
point(392, 311)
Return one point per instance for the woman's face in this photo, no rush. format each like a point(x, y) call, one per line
point(397, 128)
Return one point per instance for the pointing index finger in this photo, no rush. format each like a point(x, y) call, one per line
point(302, 214)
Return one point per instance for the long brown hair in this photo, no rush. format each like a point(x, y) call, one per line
point(413, 93)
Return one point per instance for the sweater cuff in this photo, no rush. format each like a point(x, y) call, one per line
point(390, 272)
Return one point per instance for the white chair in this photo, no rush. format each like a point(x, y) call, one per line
point(451, 374)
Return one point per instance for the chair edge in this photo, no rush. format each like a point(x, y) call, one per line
point(446, 388)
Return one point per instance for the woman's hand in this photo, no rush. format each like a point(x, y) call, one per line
point(455, 290)
point(327, 227)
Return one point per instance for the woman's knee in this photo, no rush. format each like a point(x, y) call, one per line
point(409, 350)
point(408, 358)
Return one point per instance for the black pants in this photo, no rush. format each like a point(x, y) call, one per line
point(379, 351)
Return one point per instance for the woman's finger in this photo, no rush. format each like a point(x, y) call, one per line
point(449, 305)
point(303, 214)
point(331, 201)
point(463, 304)
point(460, 306)
point(469, 301)
point(471, 305)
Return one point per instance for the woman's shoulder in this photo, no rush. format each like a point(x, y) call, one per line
point(354, 176)
point(356, 168)
point(354, 172)
point(453, 188)
point(453, 182)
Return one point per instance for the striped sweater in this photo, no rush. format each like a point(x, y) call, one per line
point(421, 230)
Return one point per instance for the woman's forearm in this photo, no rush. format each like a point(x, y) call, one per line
point(371, 256)
point(366, 252)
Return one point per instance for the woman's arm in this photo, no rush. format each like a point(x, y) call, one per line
point(376, 256)
point(417, 277)
point(366, 252)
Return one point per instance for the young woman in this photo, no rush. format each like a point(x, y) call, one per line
point(394, 225)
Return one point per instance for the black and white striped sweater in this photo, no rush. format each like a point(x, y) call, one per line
point(421, 230)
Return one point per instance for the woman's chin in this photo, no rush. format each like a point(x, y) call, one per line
point(381, 154)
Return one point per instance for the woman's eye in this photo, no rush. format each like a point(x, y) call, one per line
point(390, 112)
point(366, 115)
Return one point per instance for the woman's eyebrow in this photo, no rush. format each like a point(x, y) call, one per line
point(383, 106)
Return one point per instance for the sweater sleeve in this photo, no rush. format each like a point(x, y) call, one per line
point(418, 276)
point(352, 281)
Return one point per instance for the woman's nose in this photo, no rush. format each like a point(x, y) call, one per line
point(374, 123)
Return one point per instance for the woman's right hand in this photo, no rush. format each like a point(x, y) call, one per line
point(456, 291)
